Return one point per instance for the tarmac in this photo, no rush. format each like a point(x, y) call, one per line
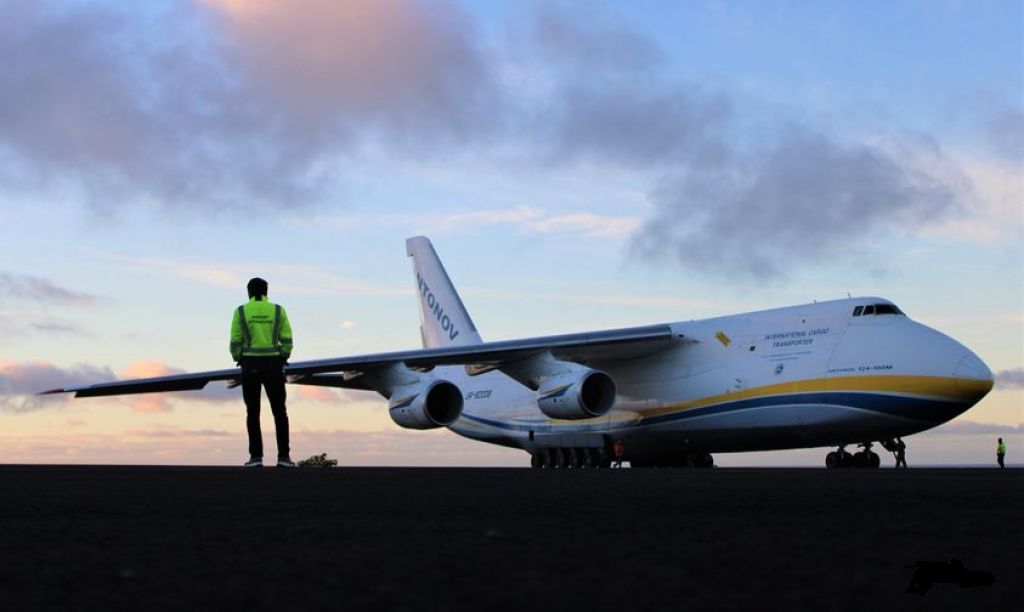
point(185, 538)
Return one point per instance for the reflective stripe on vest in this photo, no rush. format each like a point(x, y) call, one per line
point(246, 337)
point(275, 336)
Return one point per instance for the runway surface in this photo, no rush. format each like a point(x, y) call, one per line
point(161, 538)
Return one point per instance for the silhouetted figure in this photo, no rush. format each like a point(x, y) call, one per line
point(261, 343)
point(618, 451)
point(1001, 453)
point(901, 453)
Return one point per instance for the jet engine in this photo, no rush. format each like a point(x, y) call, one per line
point(576, 394)
point(426, 405)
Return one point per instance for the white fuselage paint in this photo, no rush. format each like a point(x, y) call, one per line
point(801, 376)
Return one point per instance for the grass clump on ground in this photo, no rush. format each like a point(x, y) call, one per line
point(319, 461)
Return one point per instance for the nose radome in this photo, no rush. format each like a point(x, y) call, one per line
point(973, 368)
point(973, 377)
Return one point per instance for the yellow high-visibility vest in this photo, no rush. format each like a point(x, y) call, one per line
point(260, 329)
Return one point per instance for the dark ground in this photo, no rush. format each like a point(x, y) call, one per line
point(502, 539)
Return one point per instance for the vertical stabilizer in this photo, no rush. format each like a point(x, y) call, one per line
point(444, 320)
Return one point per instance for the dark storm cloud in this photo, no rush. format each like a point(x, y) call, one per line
point(1012, 378)
point(804, 198)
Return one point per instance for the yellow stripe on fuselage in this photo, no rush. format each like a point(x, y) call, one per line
point(942, 387)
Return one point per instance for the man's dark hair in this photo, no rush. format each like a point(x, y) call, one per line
point(257, 287)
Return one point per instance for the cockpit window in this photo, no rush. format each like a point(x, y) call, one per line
point(883, 309)
point(876, 309)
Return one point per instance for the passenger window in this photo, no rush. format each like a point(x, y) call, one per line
point(869, 310)
point(857, 311)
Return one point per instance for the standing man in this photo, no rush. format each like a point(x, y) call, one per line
point(1001, 453)
point(261, 343)
point(618, 452)
point(901, 453)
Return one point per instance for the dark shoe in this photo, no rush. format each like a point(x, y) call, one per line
point(254, 462)
point(286, 462)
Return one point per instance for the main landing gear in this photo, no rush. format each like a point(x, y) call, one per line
point(569, 458)
point(599, 458)
point(863, 459)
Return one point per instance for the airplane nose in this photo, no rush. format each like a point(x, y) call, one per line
point(974, 378)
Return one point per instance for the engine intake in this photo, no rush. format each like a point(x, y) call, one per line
point(576, 395)
point(427, 405)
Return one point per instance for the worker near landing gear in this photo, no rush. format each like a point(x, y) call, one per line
point(1001, 453)
point(261, 342)
point(901, 453)
point(618, 451)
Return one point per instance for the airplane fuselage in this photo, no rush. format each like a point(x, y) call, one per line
point(802, 376)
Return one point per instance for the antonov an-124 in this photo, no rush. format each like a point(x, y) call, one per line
point(838, 374)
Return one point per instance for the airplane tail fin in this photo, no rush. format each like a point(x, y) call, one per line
point(444, 320)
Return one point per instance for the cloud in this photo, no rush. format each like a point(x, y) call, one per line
point(806, 198)
point(22, 322)
point(180, 433)
point(20, 382)
point(1012, 378)
point(41, 290)
point(970, 428)
point(409, 69)
point(1004, 129)
point(607, 100)
point(533, 219)
point(226, 104)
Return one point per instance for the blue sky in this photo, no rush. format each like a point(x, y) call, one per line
point(577, 166)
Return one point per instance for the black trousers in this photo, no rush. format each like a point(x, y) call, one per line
point(265, 372)
point(999, 458)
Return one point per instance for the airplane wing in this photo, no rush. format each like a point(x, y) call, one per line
point(588, 347)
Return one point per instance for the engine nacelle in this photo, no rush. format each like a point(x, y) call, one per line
point(576, 394)
point(426, 405)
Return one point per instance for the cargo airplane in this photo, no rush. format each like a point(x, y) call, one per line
point(850, 372)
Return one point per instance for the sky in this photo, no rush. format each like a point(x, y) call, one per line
point(577, 166)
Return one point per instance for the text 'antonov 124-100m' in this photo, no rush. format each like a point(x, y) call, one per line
point(840, 373)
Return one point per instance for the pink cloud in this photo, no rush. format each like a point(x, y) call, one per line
point(149, 369)
point(326, 61)
point(317, 394)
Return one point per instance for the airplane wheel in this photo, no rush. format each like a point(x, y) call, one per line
point(545, 458)
point(557, 458)
point(832, 460)
point(860, 460)
point(592, 458)
point(536, 462)
point(572, 458)
point(845, 459)
point(874, 461)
